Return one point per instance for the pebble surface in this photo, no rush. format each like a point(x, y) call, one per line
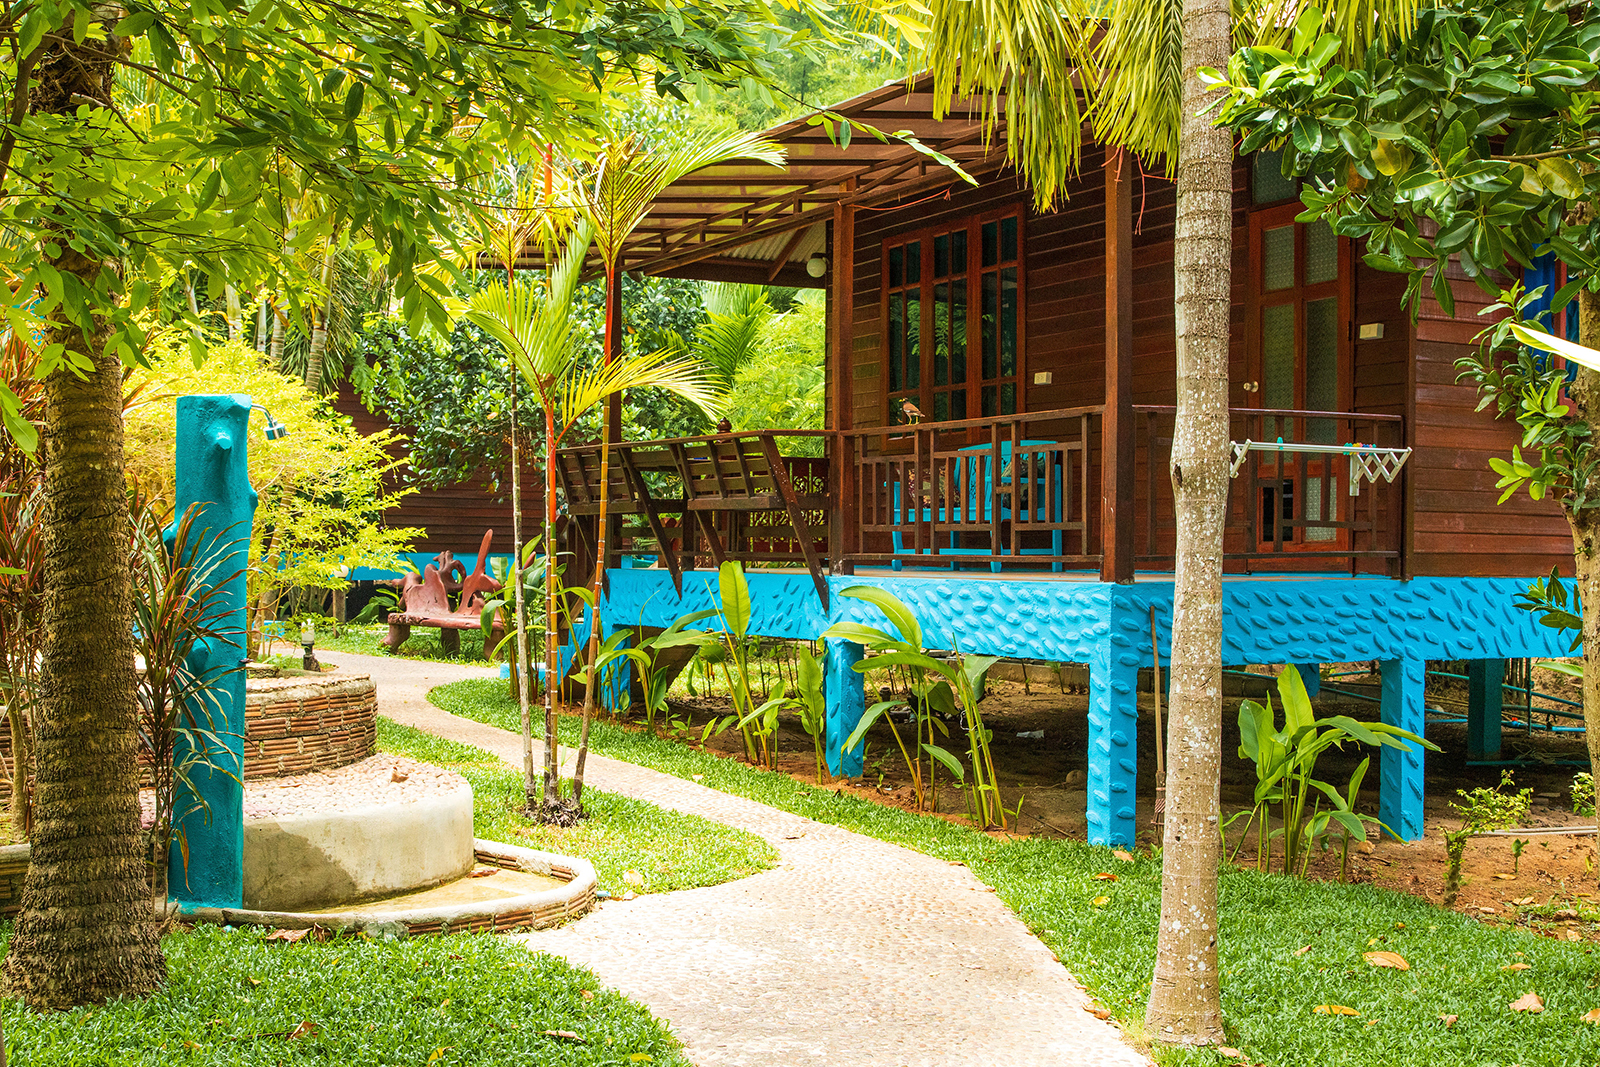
point(852, 952)
point(367, 784)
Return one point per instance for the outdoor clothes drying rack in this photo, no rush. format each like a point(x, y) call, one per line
point(1367, 462)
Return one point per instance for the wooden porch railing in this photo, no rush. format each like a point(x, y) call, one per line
point(718, 497)
point(1283, 507)
point(1015, 492)
point(1005, 491)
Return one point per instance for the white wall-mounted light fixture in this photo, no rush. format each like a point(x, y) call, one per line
point(817, 265)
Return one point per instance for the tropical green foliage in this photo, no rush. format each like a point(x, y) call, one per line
point(1470, 139)
point(223, 121)
point(1482, 810)
point(1285, 759)
point(941, 688)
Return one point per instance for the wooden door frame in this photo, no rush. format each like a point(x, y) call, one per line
point(1342, 287)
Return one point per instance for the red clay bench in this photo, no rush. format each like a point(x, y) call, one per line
point(425, 602)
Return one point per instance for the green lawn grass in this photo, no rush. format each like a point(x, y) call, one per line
point(1270, 989)
point(667, 849)
point(232, 998)
point(363, 638)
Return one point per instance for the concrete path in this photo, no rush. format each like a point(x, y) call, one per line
point(851, 953)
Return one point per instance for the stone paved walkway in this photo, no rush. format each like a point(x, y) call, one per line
point(851, 953)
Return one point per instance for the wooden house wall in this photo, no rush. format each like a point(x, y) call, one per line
point(1456, 527)
point(454, 517)
point(1453, 526)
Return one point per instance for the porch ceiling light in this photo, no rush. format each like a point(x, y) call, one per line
point(817, 265)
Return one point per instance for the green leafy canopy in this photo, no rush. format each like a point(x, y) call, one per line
point(236, 134)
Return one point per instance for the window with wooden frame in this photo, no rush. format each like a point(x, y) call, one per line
point(939, 353)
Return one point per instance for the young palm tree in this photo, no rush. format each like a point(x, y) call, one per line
point(533, 321)
point(1019, 58)
point(613, 195)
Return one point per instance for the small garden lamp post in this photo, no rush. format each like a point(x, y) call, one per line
point(308, 638)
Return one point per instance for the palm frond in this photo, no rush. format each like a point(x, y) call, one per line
point(686, 377)
point(1015, 59)
point(1045, 65)
point(737, 316)
point(533, 320)
point(616, 191)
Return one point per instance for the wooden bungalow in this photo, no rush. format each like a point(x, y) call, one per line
point(1001, 388)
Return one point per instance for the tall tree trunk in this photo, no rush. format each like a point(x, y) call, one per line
point(280, 335)
point(1185, 1003)
point(263, 318)
point(235, 313)
point(316, 353)
point(84, 933)
point(1585, 395)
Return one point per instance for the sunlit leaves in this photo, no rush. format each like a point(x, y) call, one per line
point(1468, 140)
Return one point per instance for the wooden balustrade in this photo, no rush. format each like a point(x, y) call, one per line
point(1015, 492)
point(1286, 510)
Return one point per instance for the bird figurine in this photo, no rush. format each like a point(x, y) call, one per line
point(910, 411)
point(724, 426)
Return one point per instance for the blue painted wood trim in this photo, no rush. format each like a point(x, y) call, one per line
point(1266, 620)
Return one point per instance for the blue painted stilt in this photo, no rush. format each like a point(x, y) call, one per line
point(847, 702)
point(1311, 675)
point(1113, 731)
point(1485, 708)
point(1400, 773)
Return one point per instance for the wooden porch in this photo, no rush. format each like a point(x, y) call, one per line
point(1024, 494)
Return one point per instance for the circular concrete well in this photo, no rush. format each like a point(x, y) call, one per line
point(371, 829)
point(386, 846)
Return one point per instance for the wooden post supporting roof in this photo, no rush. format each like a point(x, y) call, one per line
point(844, 535)
point(1116, 459)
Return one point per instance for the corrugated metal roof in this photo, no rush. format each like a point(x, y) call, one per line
point(750, 221)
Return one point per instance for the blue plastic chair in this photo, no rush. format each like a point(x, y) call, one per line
point(975, 500)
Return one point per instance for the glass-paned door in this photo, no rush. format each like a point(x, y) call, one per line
point(1301, 350)
point(950, 325)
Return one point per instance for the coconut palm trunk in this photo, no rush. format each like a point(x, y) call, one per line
point(1185, 1000)
point(84, 933)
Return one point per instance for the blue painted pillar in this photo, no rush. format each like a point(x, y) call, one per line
point(1400, 773)
point(1311, 675)
point(845, 689)
point(1113, 731)
point(1485, 708)
point(213, 444)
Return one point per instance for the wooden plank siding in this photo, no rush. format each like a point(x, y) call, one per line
point(455, 516)
point(1456, 527)
point(1453, 526)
